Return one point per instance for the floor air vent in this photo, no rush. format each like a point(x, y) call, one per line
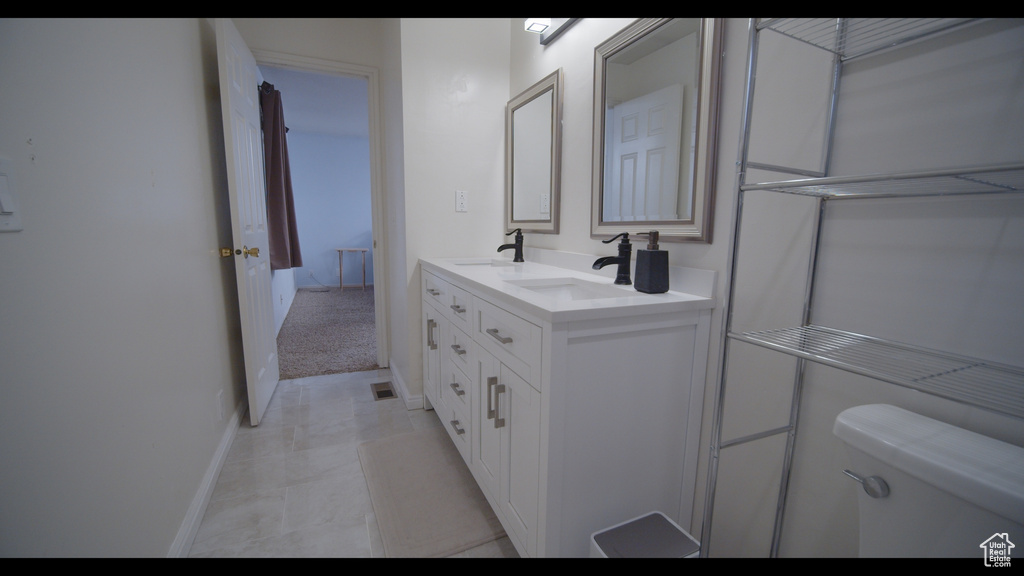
point(382, 390)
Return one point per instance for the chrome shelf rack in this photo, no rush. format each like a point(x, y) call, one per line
point(1007, 178)
point(995, 387)
point(970, 381)
point(851, 38)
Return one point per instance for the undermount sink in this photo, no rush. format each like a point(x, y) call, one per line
point(484, 262)
point(571, 288)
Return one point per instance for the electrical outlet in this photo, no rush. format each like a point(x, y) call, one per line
point(460, 201)
point(545, 203)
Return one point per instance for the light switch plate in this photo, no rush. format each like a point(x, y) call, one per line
point(10, 217)
point(460, 201)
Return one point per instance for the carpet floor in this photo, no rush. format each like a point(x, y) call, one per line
point(330, 331)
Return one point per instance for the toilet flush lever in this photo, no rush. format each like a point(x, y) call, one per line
point(874, 486)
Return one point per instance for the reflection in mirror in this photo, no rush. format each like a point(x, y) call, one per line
point(533, 150)
point(655, 122)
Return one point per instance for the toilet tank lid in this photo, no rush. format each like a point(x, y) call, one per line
point(982, 470)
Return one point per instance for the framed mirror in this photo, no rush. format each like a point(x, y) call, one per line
point(656, 97)
point(533, 157)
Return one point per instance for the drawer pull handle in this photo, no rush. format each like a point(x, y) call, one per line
point(498, 391)
point(498, 337)
point(491, 381)
point(431, 343)
point(455, 426)
point(458, 309)
point(433, 292)
point(455, 387)
point(458, 349)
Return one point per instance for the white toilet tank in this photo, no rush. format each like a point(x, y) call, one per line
point(951, 492)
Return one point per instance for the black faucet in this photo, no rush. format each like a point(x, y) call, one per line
point(518, 245)
point(625, 253)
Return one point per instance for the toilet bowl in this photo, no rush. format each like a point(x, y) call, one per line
point(930, 489)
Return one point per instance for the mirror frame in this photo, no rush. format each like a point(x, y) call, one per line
point(551, 83)
point(698, 227)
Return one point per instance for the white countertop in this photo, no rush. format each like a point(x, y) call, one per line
point(499, 283)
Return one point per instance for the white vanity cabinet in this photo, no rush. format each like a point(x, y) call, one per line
point(448, 355)
point(507, 453)
point(507, 447)
point(431, 356)
point(490, 412)
point(577, 415)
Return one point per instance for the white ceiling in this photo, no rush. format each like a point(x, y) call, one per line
point(321, 103)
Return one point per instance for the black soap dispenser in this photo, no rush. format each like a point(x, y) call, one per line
point(651, 267)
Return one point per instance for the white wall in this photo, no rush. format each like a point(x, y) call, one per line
point(331, 182)
point(454, 90)
point(282, 291)
point(118, 318)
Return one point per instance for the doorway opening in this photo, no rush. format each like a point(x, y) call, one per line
point(326, 313)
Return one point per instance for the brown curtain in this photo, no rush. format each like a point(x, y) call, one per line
point(284, 234)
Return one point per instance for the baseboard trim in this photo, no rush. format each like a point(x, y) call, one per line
point(194, 517)
point(411, 402)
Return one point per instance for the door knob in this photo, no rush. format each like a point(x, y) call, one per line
point(254, 252)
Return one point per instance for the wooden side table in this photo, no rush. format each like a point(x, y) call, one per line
point(341, 265)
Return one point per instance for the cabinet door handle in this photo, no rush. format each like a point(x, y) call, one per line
point(498, 337)
point(455, 387)
point(431, 343)
point(458, 309)
point(498, 391)
point(455, 426)
point(458, 349)
point(433, 292)
point(491, 381)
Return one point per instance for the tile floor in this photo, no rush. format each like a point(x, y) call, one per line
point(293, 487)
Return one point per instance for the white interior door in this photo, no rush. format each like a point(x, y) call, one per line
point(643, 180)
point(243, 146)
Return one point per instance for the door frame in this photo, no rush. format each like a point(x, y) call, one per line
point(378, 214)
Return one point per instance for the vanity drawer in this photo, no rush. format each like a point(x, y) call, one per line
point(436, 290)
point(460, 349)
point(459, 430)
point(460, 308)
point(513, 340)
point(457, 392)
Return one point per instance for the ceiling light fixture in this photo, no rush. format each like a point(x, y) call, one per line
point(549, 28)
point(537, 25)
